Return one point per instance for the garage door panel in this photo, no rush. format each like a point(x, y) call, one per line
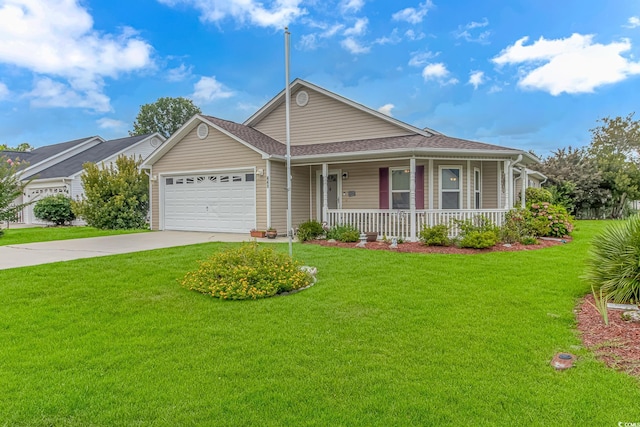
point(213, 202)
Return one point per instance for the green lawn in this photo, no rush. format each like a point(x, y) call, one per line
point(383, 339)
point(16, 236)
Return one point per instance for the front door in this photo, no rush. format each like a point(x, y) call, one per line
point(333, 192)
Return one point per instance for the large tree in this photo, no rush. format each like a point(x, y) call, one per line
point(615, 146)
point(165, 116)
point(25, 146)
point(575, 181)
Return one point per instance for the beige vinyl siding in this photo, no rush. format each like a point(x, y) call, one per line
point(325, 119)
point(299, 195)
point(490, 185)
point(216, 152)
point(278, 182)
point(363, 180)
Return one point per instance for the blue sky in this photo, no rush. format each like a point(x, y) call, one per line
point(534, 75)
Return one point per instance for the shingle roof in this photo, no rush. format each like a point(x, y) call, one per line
point(271, 146)
point(43, 153)
point(250, 135)
point(95, 154)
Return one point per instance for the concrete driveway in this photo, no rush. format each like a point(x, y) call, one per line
point(12, 256)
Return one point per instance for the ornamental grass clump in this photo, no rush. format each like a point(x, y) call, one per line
point(613, 266)
point(247, 272)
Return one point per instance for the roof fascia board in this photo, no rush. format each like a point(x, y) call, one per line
point(277, 100)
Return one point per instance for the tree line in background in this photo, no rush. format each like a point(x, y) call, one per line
point(600, 180)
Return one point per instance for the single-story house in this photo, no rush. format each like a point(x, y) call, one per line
point(350, 164)
point(58, 168)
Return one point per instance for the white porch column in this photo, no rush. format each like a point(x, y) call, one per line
point(430, 183)
point(499, 175)
point(412, 198)
point(469, 187)
point(268, 182)
point(525, 184)
point(325, 188)
point(508, 184)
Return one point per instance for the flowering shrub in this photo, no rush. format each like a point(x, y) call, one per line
point(557, 221)
point(247, 272)
point(520, 224)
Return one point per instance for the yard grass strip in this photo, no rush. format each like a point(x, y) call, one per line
point(17, 236)
point(382, 339)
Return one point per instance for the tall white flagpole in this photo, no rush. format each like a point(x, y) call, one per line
point(287, 35)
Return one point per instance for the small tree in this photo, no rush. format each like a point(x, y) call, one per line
point(116, 197)
point(56, 209)
point(165, 116)
point(11, 188)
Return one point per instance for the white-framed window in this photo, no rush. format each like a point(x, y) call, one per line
point(399, 183)
point(450, 185)
point(477, 186)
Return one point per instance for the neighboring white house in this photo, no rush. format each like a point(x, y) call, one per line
point(57, 168)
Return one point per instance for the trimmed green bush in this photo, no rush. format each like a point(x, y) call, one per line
point(438, 235)
point(56, 209)
point(344, 233)
point(538, 195)
point(310, 230)
point(248, 272)
point(613, 266)
point(478, 239)
point(520, 224)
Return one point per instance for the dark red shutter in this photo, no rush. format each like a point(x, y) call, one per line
point(419, 187)
point(384, 188)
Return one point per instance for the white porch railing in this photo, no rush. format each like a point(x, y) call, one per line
point(397, 223)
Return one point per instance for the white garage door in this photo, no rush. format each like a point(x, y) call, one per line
point(222, 202)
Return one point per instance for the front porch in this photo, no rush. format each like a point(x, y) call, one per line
point(407, 224)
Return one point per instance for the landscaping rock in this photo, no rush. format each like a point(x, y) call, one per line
point(631, 316)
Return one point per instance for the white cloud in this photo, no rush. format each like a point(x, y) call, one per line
point(354, 46)
point(466, 32)
point(50, 93)
point(476, 78)
point(358, 29)
point(277, 13)
point(418, 59)
point(208, 89)
point(633, 22)
point(307, 42)
point(572, 65)
point(179, 74)
point(55, 38)
point(413, 36)
point(413, 15)
point(347, 6)
point(4, 91)
point(386, 109)
point(107, 123)
point(495, 89)
point(393, 38)
point(438, 72)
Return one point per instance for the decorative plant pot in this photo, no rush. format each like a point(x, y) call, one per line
point(372, 236)
point(256, 233)
point(272, 234)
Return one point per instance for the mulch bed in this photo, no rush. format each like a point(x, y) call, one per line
point(417, 247)
point(618, 344)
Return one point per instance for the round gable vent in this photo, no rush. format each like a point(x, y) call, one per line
point(155, 142)
point(302, 98)
point(203, 130)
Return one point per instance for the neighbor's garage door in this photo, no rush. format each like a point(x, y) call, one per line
point(223, 202)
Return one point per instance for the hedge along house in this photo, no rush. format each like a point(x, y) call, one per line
point(58, 168)
point(349, 164)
